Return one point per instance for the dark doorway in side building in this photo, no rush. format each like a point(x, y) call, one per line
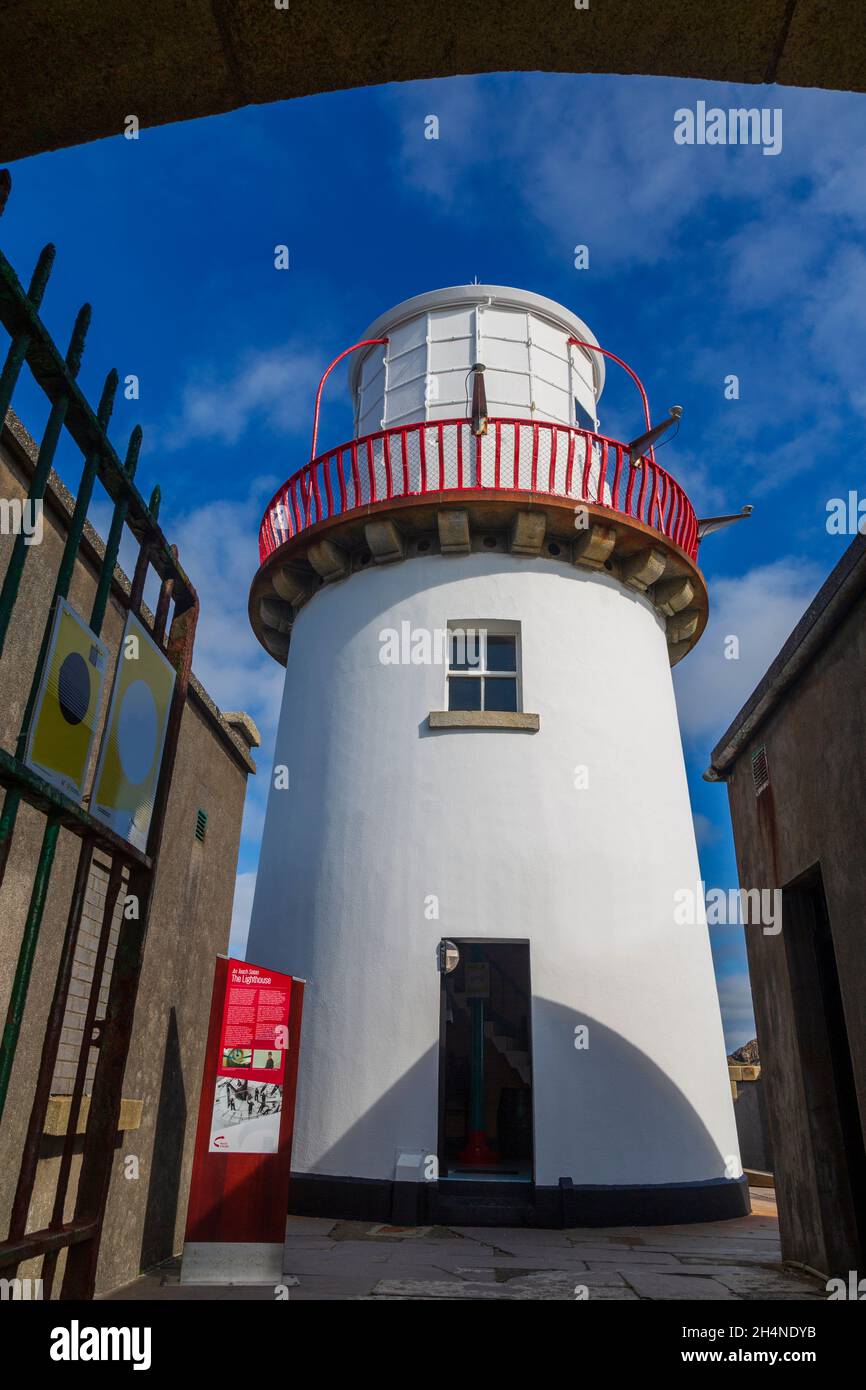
point(828, 1075)
point(485, 1064)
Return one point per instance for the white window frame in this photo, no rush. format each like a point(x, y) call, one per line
point(494, 627)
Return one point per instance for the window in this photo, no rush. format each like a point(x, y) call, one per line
point(483, 670)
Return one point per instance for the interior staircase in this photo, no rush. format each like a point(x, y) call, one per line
point(516, 1056)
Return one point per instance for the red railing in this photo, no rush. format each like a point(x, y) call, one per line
point(513, 456)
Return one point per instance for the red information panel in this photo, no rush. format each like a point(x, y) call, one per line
point(254, 1039)
point(243, 1148)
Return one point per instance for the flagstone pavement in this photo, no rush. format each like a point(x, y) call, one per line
point(331, 1260)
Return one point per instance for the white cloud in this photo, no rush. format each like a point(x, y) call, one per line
point(709, 495)
point(217, 544)
point(272, 387)
point(706, 831)
point(589, 159)
point(738, 1016)
point(592, 160)
point(772, 258)
point(245, 887)
point(760, 609)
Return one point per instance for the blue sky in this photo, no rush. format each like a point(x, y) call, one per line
point(703, 262)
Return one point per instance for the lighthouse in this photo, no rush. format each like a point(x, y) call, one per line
point(478, 831)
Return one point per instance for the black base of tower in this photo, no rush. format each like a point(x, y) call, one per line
point(516, 1204)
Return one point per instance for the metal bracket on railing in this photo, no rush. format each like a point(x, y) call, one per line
point(638, 447)
point(365, 342)
point(718, 523)
point(605, 352)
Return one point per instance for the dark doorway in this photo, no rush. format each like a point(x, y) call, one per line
point(828, 1076)
point(485, 1065)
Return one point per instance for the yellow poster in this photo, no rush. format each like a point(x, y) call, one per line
point(130, 758)
point(68, 703)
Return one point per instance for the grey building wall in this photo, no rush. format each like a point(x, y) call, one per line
point(809, 713)
point(750, 1113)
point(189, 925)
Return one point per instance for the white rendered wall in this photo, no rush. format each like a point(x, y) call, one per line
point(381, 813)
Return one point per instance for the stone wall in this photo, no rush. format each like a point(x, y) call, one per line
point(189, 925)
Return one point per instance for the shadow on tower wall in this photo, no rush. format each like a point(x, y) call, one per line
point(619, 1133)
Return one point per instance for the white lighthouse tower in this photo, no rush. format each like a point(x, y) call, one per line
point(479, 832)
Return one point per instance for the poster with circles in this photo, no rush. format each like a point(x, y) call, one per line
point(68, 703)
point(130, 758)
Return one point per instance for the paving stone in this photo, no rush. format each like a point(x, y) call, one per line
point(308, 1243)
point(769, 1283)
point(400, 1232)
point(554, 1288)
point(485, 1259)
point(309, 1225)
point(343, 1283)
point(769, 1253)
point(193, 1293)
point(363, 1261)
point(620, 1293)
point(535, 1249)
point(317, 1263)
point(544, 1286)
point(421, 1249)
point(665, 1286)
point(373, 1255)
point(503, 1275)
point(497, 1235)
point(624, 1257)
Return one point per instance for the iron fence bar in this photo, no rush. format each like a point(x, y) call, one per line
point(70, 555)
point(11, 580)
point(162, 607)
point(79, 1279)
point(41, 795)
point(142, 564)
point(50, 1046)
point(36, 1243)
point(112, 545)
point(17, 351)
point(33, 925)
point(111, 894)
point(85, 492)
point(51, 372)
point(139, 575)
point(39, 481)
point(79, 1276)
point(56, 376)
point(18, 996)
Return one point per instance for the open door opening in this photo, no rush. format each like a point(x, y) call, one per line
point(485, 1073)
point(827, 1066)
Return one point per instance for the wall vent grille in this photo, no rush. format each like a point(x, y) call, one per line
point(200, 824)
point(760, 770)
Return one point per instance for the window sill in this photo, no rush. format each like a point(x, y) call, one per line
point(483, 719)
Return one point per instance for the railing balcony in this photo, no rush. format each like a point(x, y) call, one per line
point(430, 458)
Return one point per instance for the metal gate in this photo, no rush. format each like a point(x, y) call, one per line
point(130, 872)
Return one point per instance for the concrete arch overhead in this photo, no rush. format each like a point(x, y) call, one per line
point(74, 73)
